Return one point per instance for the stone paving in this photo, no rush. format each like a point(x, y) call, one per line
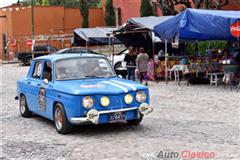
point(193, 118)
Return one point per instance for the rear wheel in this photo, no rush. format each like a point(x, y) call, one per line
point(117, 65)
point(27, 61)
point(60, 120)
point(135, 122)
point(23, 107)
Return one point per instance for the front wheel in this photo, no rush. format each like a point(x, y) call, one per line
point(23, 107)
point(60, 120)
point(135, 122)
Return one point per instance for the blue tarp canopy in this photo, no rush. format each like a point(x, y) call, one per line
point(93, 36)
point(198, 24)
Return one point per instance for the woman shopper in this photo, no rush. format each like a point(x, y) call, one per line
point(142, 65)
point(130, 60)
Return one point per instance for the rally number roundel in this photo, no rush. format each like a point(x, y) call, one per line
point(42, 99)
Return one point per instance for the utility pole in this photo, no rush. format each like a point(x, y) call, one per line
point(33, 31)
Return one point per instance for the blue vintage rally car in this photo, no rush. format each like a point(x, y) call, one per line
point(74, 89)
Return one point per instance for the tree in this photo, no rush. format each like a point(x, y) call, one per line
point(45, 3)
point(146, 8)
point(110, 18)
point(83, 6)
point(168, 6)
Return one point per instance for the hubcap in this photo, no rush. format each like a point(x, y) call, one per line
point(58, 118)
point(22, 105)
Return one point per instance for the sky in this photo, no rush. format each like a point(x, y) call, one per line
point(4, 3)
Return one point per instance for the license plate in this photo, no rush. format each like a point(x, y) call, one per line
point(116, 116)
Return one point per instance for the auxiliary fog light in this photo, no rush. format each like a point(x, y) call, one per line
point(93, 116)
point(145, 109)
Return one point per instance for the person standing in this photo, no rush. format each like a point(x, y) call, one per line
point(142, 65)
point(130, 60)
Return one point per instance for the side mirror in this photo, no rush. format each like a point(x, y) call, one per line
point(45, 81)
point(120, 76)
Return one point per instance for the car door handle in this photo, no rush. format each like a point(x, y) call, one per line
point(28, 82)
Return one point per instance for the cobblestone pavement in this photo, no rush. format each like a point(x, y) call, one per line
point(194, 118)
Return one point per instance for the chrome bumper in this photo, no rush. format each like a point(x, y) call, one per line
point(93, 114)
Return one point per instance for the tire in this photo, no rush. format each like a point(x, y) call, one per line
point(60, 120)
point(117, 65)
point(135, 122)
point(27, 61)
point(23, 107)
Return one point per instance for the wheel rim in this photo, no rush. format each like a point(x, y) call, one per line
point(58, 118)
point(118, 65)
point(22, 105)
point(28, 61)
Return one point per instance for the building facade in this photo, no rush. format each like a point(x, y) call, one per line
point(57, 21)
point(16, 26)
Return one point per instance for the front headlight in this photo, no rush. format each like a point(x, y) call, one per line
point(87, 102)
point(141, 96)
point(128, 98)
point(105, 101)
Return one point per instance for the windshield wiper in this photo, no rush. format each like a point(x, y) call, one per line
point(93, 76)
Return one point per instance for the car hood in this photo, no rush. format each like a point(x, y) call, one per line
point(106, 86)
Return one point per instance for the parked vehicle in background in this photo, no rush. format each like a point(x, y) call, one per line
point(74, 89)
point(74, 50)
point(39, 50)
point(118, 63)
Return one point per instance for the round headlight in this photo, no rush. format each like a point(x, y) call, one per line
point(105, 101)
point(128, 98)
point(87, 102)
point(141, 96)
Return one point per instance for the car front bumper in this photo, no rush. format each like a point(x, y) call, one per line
point(93, 115)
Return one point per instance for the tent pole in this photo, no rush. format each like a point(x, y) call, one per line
point(112, 40)
point(153, 44)
point(166, 62)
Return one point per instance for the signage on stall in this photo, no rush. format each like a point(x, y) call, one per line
point(235, 29)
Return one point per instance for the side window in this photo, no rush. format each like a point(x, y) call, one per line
point(37, 70)
point(47, 71)
point(52, 49)
point(84, 51)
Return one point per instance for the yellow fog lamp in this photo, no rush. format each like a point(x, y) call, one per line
point(128, 98)
point(105, 101)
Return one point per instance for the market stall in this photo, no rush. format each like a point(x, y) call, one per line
point(198, 24)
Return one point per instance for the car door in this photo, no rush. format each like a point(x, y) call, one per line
point(34, 83)
point(45, 92)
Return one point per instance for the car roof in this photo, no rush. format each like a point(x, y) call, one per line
point(55, 57)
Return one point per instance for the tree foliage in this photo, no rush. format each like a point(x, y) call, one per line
point(168, 6)
point(110, 18)
point(83, 6)
point(146, 8)
point(45, 2)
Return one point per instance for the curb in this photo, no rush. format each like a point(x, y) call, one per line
point(9, 62)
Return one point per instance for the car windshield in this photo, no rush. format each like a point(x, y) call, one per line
point(79, 68)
